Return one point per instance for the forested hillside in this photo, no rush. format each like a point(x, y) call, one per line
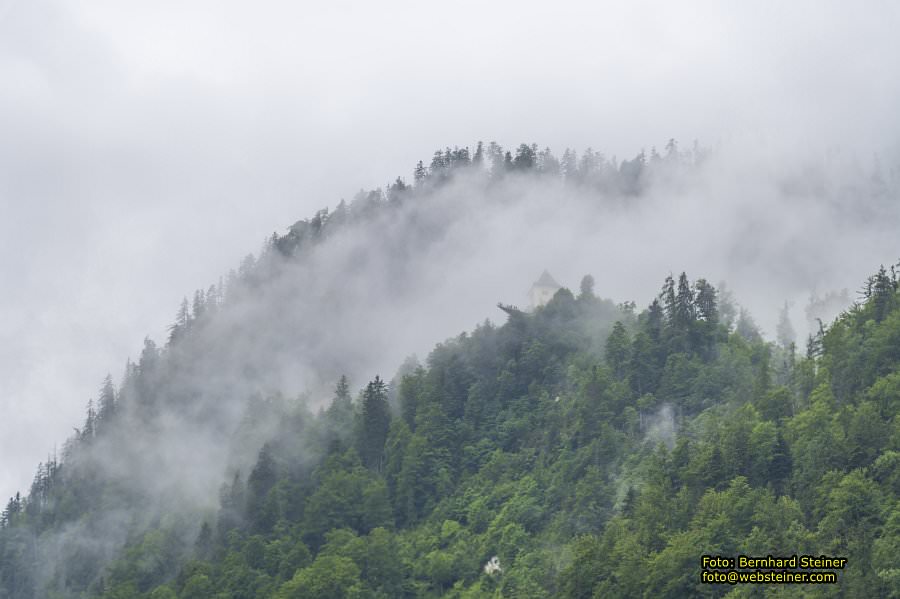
point(594, 448)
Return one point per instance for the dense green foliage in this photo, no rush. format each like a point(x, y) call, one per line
point(594, 450)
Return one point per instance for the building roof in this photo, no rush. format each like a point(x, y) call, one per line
point(545, 280)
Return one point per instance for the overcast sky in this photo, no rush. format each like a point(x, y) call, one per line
point(145, 147)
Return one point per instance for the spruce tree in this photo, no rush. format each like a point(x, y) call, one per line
point(643, 364)
point(655, 320)
point(672, 151)
point(182, 322)
point(617, 349)
point(587, 167)
point(259, 483)
point(667, 296)
point(525, 158)
point(376, 420)
point(437, 163)
point(548, 163)
point(478, 158)
point(569, 166)
point(89, 429)
point(684, 312)
point(420, 173)
point(198, 306)
point(145, 378)
point(339, 416)
point(106, 405)
point(784, 331)
point(883, 294)
point(587, 288)
point(707, 308)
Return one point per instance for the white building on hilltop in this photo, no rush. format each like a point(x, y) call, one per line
point(543, 290)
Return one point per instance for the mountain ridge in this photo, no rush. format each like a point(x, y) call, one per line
point(585, 425)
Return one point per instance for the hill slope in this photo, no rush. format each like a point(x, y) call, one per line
point(592, 448)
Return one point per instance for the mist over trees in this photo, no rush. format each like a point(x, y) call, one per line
point(595, 448)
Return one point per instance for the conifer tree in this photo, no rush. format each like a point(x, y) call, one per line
point(587, 167)
point(460, 158)
point(198, 306)
point(13, 507)
point(342, 392)
point(746, 326)
point(727, 307)
point(617, 349)
point(707, 308)
point(883, 294)
point(89, 428)
point(703, 330)
point(259, 483)
point(204, 543)
point(231, 500)
point(146, 373)
point(376, 420)
point(478, 158)
point(655, 320)
point(339, 415)
point(586, 288)
point(525, 158)
point(667, 296)
point(644, 363)
point(569, 166)
point(495, 154)
point(548, 164)
point(106, 405)
point(212, 298)
point(437, 163)
point(684, 312)
point(419, 173)
point(672, 150)
point(182, 322)
point(784, 331)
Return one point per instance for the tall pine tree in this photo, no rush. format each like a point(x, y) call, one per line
point(376, 420)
